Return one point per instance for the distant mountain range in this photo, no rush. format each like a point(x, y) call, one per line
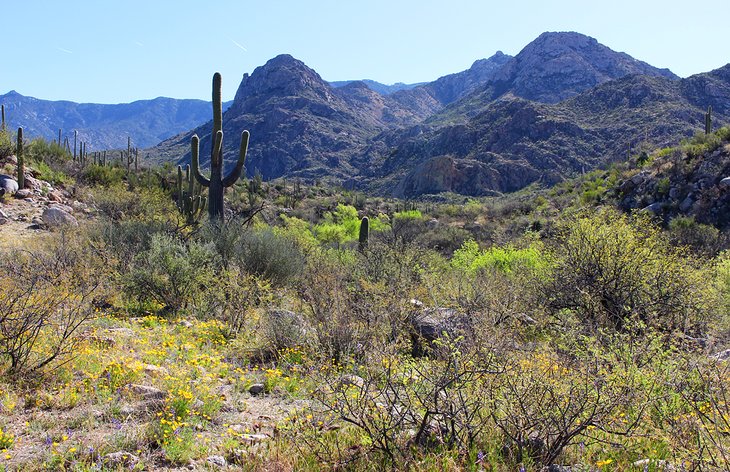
point(147, 122)
point(564, 104)
point(382, 89)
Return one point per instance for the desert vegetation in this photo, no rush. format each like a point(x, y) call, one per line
point(548, 328)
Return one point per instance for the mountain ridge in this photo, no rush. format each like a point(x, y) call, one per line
point(105, 126)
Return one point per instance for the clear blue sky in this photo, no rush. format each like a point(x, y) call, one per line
point(108, 51)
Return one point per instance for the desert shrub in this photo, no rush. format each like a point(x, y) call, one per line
point(706, 393)
point(119, 241)
point(263, 252)
point(702, 143)
point(548, 399)
point(45, 298)
point(232, 300)
point(406, 226)
point(443, 238)
point(399, 406)
point(40, 150)
point(7, 145)
point(171, 273)
point(102, 175)
point(224, 237)
point(614, 270)
point(298, 231)
point(326, 292)
point(55, 174)
point(343, 225)
point(506, 259)
point(117, 204)
point(700, 238)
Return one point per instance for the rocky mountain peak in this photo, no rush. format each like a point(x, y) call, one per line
point(283, 75)
point(559, 65)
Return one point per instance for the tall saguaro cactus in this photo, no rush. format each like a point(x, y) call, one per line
point(21, 161)
point(708, 120)
point(217, 182)
point(2, 124)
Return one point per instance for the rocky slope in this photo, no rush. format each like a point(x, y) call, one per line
point(512, 142)
point(147, 122)
point(556, 66)
point(691, 181)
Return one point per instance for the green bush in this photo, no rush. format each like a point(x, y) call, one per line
point(7, 145)
point(611, 270)
point(506, 259)
point(102, 175)
point(171, 273)
point(263, 252)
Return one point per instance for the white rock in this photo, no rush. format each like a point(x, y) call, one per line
point(54, 217)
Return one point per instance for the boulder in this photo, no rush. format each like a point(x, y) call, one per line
point(283, 328)
point(216, 461)
point(8, 184)
point(55, 196)
point(55, 217)
point(721, 356)
point(686, 204)
point(655, 208)
point(32, 183)
point(147, 392)
point(23, 194)
point(256, 389)
point(725, 182)
point(430, 324)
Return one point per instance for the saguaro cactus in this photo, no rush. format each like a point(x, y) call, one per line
point(217, 183)
point(708, 120)
point(76, 135)
point(190, 202)
point(364, 233)
point(21, 162)
point(2, 124)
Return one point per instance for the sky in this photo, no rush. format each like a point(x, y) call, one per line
point(110, 51)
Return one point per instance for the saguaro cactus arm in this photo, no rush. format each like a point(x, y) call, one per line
point(195, 162)
point(235, 173)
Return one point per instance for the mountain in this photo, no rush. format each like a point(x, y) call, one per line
point(303, 126)
point(382, 89)
point(511, 142)
point(556, 66)
point(147, 122)
point(563, 105)
point(307, 128)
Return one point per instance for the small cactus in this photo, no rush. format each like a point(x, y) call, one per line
point(364, 233)
point(217, 183)
point(708, 120)
point(190, 202)
point(21, 163)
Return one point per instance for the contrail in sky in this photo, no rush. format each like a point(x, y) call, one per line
point(64, 50)
point(237, 44)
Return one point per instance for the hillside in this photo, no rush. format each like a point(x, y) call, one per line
point(475, 147)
